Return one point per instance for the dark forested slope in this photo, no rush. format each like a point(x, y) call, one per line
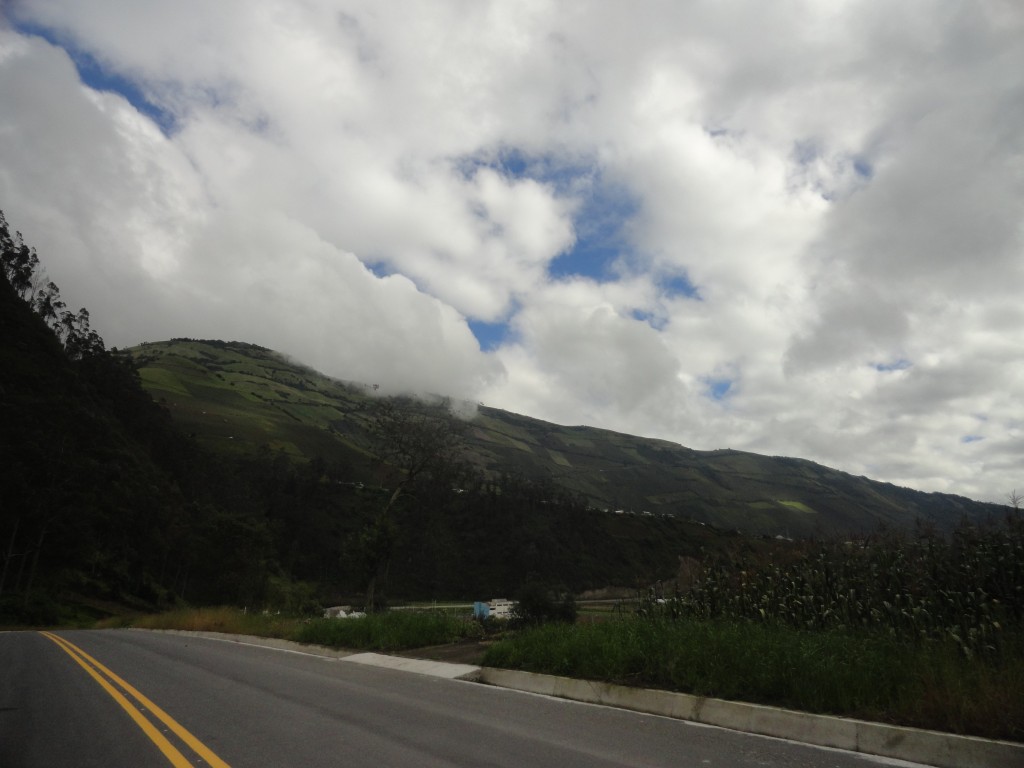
point(83, 509)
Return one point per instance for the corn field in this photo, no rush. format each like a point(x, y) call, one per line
point(966, 587)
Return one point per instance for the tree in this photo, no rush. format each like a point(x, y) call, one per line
point(420, 447)
point(417, 443)
point(79, 339)
point(17, 260)
point(18, 264)
point(1015, 500)
point(48, 304)
point(538, 603)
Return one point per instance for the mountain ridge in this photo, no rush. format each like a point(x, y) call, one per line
point(263, 399)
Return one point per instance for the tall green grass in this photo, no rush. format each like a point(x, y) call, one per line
point(391, 631)
point(870, 676)
point(921, 629)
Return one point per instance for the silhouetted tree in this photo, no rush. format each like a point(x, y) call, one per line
point(17, 260)
point(1015, 500)
point(421, 447)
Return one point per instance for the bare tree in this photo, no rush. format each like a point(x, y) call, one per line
point(1015, 500)
point(417, 444)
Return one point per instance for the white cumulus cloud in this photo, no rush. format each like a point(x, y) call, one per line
point(792, 228)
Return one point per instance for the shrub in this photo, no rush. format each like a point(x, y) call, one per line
point(538, 604)
point(390, 631)
point(967, 588)
point(35, 610)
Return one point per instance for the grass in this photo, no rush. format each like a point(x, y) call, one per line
point(163, 380)
point(873, 677)
point(797, 505)
point(226, 620)
point(392, 631)
point(869, 676)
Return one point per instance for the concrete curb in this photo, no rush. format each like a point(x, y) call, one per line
point(930, 747)
point(420, 666)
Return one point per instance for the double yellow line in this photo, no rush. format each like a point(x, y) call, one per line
point(107, 679)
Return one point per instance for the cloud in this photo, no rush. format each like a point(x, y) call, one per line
point(157, 248)
point(790, 228)
point(565, 335)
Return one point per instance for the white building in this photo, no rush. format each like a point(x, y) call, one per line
point(501, 608)
point(498, 608)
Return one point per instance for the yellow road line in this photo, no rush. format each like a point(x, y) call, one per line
point(172, 754)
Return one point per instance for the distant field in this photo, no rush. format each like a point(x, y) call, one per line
point(797, 505)
point(240, 399)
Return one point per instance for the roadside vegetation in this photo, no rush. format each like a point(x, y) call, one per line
point(388, 631)
point(224, 619)
point(862, 675)
point(922, 630)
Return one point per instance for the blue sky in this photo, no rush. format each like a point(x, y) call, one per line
point(601, 218)
point(719, 388)
point(489, 335)
point(602, 236)
point(100, 77)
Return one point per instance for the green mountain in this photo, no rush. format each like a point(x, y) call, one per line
point(239, 398)
point(107, 503)
point(108, 500)
point(213, 472)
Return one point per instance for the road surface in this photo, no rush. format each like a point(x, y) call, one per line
point(125, 698)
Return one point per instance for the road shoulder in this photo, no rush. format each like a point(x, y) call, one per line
point(943, 750)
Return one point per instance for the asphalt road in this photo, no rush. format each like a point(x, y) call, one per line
point(250, 706)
